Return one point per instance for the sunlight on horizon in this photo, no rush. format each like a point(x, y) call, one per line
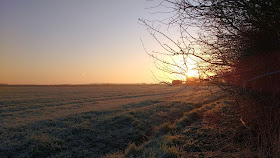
point(192, 73)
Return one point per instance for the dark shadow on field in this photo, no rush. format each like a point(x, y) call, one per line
point(209, 130)
point(90, 134)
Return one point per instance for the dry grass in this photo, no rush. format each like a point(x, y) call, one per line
point(261, 118)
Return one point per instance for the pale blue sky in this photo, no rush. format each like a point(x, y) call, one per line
point(73, 41)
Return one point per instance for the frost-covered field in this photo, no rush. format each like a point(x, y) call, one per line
point(94, 121)
point(21, 104)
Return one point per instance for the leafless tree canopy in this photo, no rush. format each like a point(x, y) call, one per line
point(238, 40)
point(235, 40)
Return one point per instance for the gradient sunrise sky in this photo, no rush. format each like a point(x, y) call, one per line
point(74, 41)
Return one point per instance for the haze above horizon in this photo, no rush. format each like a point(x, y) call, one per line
point(73, 42)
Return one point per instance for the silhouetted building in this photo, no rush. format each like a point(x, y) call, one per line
point(177, 82)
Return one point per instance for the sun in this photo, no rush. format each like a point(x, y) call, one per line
point(189, 68)
point(192, 73)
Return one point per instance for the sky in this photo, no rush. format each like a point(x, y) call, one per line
point(74, 42)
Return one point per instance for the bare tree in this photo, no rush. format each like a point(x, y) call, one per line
point(235, 40)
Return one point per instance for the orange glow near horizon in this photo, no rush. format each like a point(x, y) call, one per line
point(190, 67)
point(59, 42)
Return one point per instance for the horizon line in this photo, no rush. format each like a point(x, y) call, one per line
point(82, 84)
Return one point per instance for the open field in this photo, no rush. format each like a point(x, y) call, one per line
point(116, 121)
